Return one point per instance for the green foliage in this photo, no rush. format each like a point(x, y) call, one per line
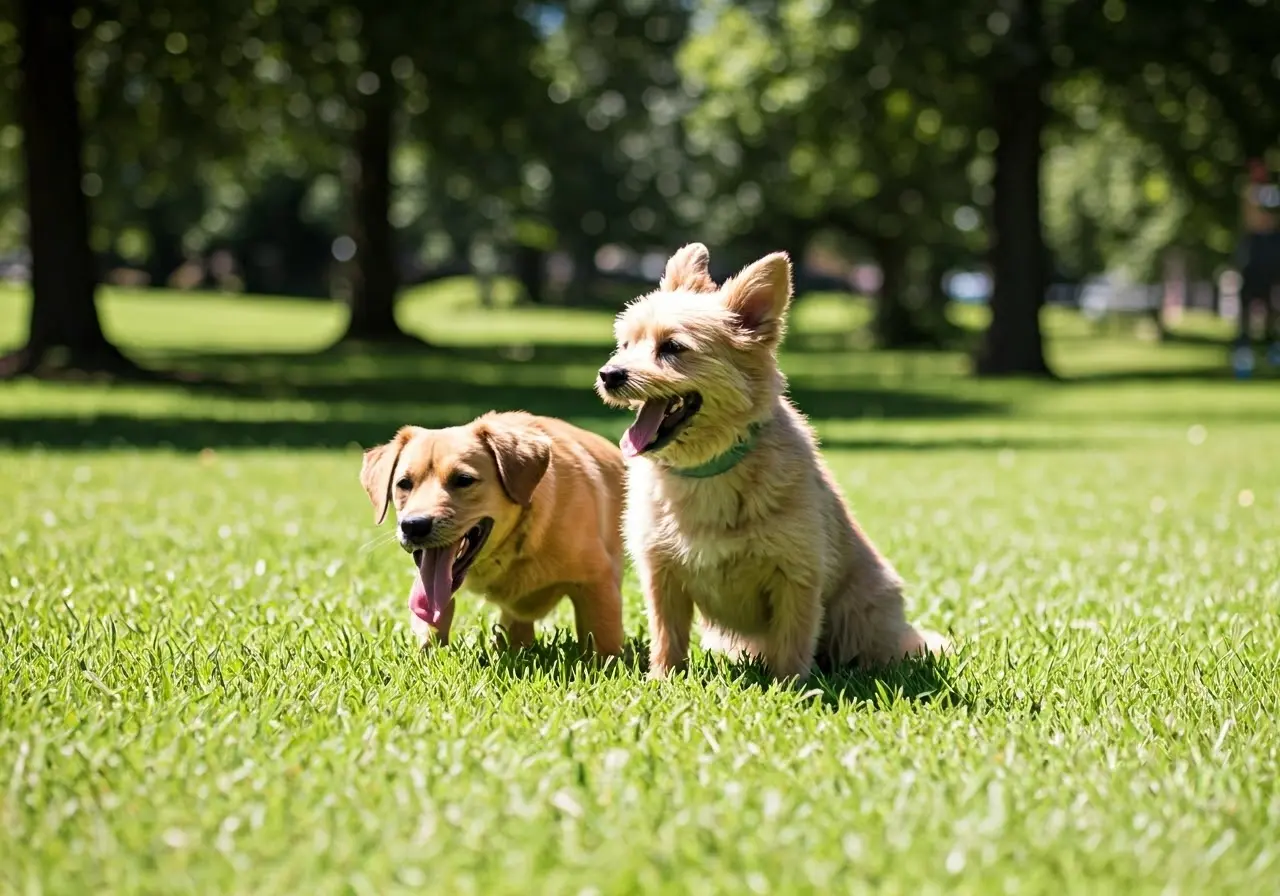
point(166, 106)
point(610, 165)
point(571, 124)
point(192, 108)
point(207, 681)
point(1196, 87)
point(1110, 204)
point(817, 116)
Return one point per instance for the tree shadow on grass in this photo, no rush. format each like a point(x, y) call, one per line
point(559, 353)
point(362, 399)
point(1188, 337)
point(110, 431)
point(949, 340)
point(545, 379)
point(967, 443)
point(558, 657)
point(1262, 377)
point(925, 680)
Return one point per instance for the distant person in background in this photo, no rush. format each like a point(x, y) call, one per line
point(1260, 274)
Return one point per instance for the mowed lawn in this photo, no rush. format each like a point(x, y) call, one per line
point(207, 683)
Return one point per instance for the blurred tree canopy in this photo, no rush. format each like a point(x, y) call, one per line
point(610, 161)
point(328, 148)
point(818, 121)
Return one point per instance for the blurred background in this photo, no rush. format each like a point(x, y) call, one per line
point(952, 167)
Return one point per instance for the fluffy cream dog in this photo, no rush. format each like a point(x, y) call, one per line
point(730, 508)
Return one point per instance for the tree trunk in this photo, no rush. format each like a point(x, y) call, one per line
point(65, 330)
point(895, 324)
point(582, 284)
point(166, 244)
point(1013, 343)
point(530, 270)
point(374, 277)
point(937, 302)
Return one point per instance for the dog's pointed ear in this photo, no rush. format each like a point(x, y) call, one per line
point(378, 468)
point(522, 456)
point(688, 269)
point(759, 295)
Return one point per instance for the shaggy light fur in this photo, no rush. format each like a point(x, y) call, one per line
point(767, 551)
point(554, 493)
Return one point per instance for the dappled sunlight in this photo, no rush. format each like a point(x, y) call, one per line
point(260, 379)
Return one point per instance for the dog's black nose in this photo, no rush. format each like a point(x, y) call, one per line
point(416, 528)
point(613, 377)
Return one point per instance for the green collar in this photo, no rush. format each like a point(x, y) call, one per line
point(723, 463)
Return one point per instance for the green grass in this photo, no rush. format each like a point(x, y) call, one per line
point(207, 682)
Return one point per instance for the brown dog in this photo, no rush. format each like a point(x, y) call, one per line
point(730, 508)
point(525, 508)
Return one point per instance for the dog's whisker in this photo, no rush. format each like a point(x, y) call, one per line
point(377, 541)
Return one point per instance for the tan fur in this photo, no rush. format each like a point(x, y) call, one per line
point(554, 492)
point(767, 552)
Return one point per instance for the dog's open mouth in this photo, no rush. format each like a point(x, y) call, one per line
point(658, 421)
point(441, 571)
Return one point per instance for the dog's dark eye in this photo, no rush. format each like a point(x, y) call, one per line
point(624, 345)
point(669, 348)
point(461, 480)
point(405, 484)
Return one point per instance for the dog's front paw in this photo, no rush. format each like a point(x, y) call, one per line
point(661, 671)
point(427, 637)
point(787, 665)
point(919, 642)
point(797, 677)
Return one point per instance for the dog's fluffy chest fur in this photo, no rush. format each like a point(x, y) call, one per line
point(727, 538)
point(521, 585)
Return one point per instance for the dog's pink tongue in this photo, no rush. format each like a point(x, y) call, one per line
point(639, 435)
point(432, 597)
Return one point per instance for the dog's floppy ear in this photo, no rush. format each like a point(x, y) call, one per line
point(759, 294)
point(688, 269)
point(522, 456)
point(376, 472)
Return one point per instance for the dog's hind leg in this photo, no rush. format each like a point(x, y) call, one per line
point(868, 625)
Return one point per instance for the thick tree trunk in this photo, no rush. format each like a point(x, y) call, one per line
point(65, 330)
point(374, 279)
point(896, 323)
point(1013, 343)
